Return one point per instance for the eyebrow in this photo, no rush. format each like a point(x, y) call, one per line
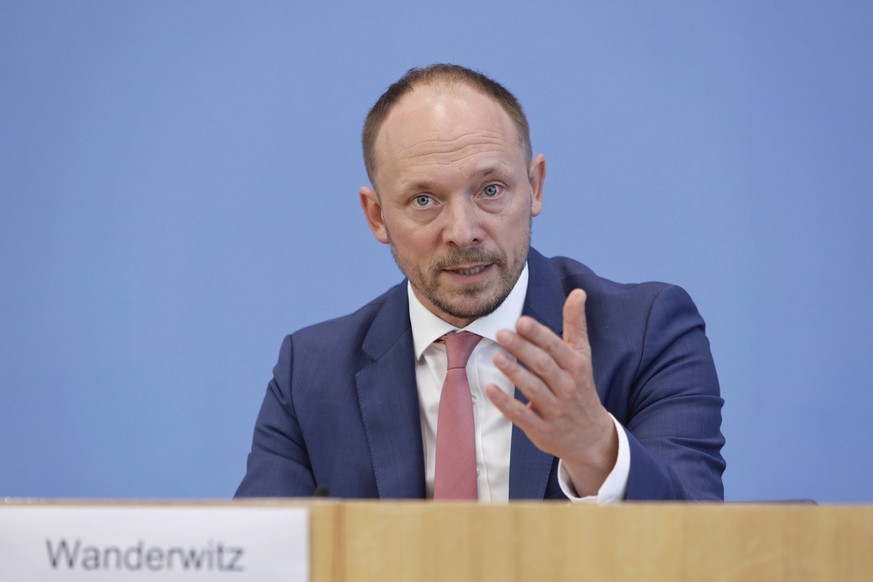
point(494, 169)
point(428, 184)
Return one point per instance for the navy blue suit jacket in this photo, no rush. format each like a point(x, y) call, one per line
point(342, 408)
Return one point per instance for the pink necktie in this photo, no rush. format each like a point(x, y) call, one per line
point(455, 474)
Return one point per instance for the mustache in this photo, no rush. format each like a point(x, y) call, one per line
point(468, 256)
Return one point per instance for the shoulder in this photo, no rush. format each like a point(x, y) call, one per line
point(354, 326)
point(572, 274)
point(355, 338)
point(611, 303)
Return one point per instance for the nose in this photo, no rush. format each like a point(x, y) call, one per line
point(463, 226)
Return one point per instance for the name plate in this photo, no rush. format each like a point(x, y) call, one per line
point(240, 543)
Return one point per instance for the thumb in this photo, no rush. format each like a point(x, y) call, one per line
point(575, 323)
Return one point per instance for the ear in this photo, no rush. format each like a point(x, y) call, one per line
point(537, 175)
point(373, 213)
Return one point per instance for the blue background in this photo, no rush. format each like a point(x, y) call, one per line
point(178, 190)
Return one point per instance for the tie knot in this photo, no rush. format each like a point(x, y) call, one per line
point(459, 346)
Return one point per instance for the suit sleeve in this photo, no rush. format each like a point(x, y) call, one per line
point(278, 464)
point(674, 413)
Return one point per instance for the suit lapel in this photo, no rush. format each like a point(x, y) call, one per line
point(529, 467)
point(388, 399)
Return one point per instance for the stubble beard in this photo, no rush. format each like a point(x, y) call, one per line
point(470, 301)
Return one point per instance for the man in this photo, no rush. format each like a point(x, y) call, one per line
point(580, 388)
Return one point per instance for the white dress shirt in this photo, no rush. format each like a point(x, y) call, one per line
point(493, 430)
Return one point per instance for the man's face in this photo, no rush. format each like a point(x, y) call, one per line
point(455, 199)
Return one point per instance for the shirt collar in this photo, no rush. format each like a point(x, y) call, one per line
point(427, 327)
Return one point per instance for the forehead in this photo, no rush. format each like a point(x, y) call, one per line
point(444, 123)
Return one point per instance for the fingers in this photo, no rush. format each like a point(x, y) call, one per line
point(518, 413)
point(541, 350)
point(533, 344)
point(550, 371)
point(540, 396)
point(535, 371)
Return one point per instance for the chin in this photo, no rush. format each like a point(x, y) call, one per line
point(472, 309)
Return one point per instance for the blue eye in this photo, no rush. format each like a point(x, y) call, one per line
point(422, 200)
point(491, 190)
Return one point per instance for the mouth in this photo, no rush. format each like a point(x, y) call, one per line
point(469, 271)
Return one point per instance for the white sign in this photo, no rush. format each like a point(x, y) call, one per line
point(154, 542)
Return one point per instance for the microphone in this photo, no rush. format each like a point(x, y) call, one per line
point(321, 491)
